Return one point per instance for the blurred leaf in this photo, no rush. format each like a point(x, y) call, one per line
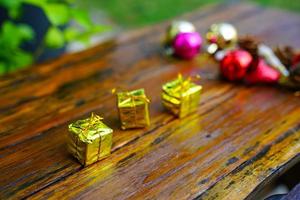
point(14, 12)
point(9, 4)
point(57, 13)
point(54, 38)
point(38, 3)
point(71, 1)
point(71, 33)
point(82, 17)
point(22, 59)
point(26, 32)
point(12, 35)
point(13, 7)
point(100, 28)
point(84, 38)
point(8, 38)
point(12, 59)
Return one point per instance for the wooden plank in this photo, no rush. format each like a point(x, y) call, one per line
point(172, 158)
point(240, 182)
point(182, 160)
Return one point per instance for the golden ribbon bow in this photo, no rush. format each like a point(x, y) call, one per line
point(131, 97)
point(93, 120)
point(91, 123)
point(184, 84)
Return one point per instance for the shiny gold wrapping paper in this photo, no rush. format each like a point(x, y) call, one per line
point(89, 140)
point(181, 96)
point(133, 109)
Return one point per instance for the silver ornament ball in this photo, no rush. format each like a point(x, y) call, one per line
point(223, 34)
point(178, 27)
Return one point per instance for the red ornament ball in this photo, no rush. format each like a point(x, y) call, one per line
point(260, 72)
point(187, 45)
point(235, 64)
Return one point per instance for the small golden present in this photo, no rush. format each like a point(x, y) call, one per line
point(181, 96)
point(133, 109)
point(89, 140)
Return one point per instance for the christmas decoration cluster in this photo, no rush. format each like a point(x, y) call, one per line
point(241, 59)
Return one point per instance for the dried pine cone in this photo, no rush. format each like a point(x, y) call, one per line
point(285, 55)
point(250, 44)
point(295, 74)
point(295, 70)
point(293, 80)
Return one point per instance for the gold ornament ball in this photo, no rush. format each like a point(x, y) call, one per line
point(224, 35)
point(178, 27)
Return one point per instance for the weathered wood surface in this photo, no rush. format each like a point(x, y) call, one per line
point(240, 138)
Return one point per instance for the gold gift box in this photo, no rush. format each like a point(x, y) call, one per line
point(89, 140)
point(133, 109)
point(181, 96)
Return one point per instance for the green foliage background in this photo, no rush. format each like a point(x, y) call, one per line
point(131, 13)
point(59, 13)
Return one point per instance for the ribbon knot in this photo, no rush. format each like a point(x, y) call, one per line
point(133, 97)
point(93, 121)
point(184, 84)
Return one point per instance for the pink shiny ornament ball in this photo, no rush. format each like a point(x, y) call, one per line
point(187, 45)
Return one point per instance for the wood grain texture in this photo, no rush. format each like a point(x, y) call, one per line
point(240, 138)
